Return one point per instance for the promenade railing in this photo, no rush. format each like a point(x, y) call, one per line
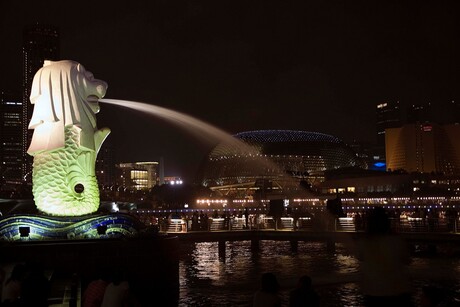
point(342, 224)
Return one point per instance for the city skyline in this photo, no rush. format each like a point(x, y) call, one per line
point(301, 66)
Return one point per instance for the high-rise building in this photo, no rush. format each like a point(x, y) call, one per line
point(138, 175)
point(454, 112)
point(40, 43)
point(424, 148)
point(105, 164)
point(388, 116)
point(420, 113)
point(10, 138)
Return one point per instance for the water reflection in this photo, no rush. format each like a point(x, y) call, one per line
point(207, 280)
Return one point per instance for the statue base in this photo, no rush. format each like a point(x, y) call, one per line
point(84, 246)
point(30, 227)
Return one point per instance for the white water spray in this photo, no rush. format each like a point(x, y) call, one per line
point(200, 129)
point(204, 131)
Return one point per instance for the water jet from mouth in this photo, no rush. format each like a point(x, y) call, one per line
point(198, 128)
point(208, 133)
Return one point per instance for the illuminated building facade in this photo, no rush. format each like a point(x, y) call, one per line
point(388, 116)
point(278, 159)
point(424, 148)
point(40, 42)
point(105, 165)
point(138, 175)
point(355, 183)
point(10, 138)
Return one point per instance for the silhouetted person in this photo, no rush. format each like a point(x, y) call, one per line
point(358, 219)
point(204, 222)
point(384, 258)
point(451, 215)
point(35, 287)
point(432, 296)
point(94, 292)
point(304, 295)
point(2, 279)
point(195, 218)
point(117, 292)
point(246, 217)
point(12, 288)
point(226, 217)
point(267, 295)
point(201, 219)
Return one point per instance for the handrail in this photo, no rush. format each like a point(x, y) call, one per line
point(345, 224)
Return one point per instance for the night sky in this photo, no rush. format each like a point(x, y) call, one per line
point(246, 65)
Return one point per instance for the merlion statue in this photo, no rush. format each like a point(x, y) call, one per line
point(66, 140)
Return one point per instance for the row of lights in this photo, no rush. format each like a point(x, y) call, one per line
point(193, 210)
point(224, 201)
point(367, 200)
point(211, 201)
point(261, 209)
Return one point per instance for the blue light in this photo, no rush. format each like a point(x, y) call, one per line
point(49, 228)
point(379, 164)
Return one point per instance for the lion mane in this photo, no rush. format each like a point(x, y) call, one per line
point(64, 93)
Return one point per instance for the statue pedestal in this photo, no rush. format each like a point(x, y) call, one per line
point(34, 227)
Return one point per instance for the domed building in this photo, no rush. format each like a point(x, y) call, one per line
point(275, 159)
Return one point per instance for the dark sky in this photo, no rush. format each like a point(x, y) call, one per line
point(246, 65)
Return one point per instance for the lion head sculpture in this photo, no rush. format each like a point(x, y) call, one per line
point(66, 140)
point(64, 94)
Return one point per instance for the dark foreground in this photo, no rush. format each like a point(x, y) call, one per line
point(150, 264)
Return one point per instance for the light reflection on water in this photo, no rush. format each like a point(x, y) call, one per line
point(207, 280)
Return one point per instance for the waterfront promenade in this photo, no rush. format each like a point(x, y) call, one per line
point(296, 226)
point(423, 234)
point(420, 233)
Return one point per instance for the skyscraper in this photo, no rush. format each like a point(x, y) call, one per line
point(388, 116)
point(420, 113)
point(10, 138)
point(40, 42)
point(454, 112)
point(105, 165)
point(424, 148)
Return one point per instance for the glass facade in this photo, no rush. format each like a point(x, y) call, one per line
point(138, 175)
